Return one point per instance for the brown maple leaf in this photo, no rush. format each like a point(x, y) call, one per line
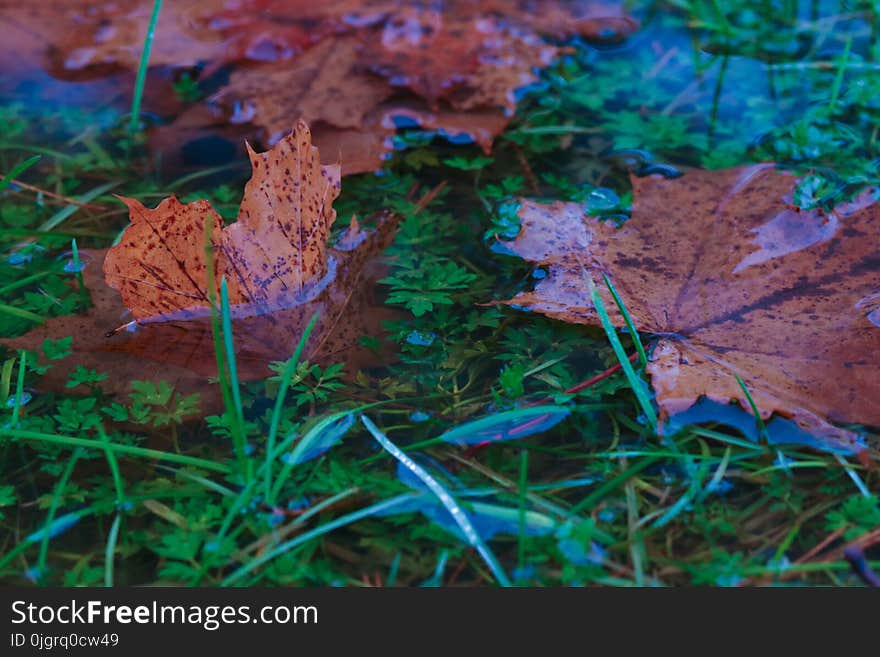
point(352, 69)
point(732, 280)
point(462, 62)
point(277, 246)
point(278, 266)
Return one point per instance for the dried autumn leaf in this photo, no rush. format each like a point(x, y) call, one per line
point(731, 279)
point(278, 266)
point(321, 84)
point(276, 247)
point(350, 68)
point(79, 35)
point(461, 60)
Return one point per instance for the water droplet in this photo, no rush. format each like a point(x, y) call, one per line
point(104, 33)
point(79, 58)
point(525, 573)
point(601, 199)
point(242, 112)
point(356, 19)
point(788, 232)
point(419, 416)
point(421, 338)
point(33, 574)
point(577, 553)
point(299, 504)
point(728, 580)
point(720, 488)
point(456, 138)
point(18, 258)
point(25, 398)
point(607, 515)
point(779, 565)
point(268, 50)
point(867, 302)
point(74, 267)
point(401, 121)
point(539, 274)
point(501, 249)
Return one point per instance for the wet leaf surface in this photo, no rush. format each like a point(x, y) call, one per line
point(348, 67)
point(731, 279)
point(269, 256)
point(277, 265)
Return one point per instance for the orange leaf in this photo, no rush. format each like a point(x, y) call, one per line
point(159, 264)
point(730, 280)
point(279, 242)
point(345, 67)
point(277, 246)
point(278, 265)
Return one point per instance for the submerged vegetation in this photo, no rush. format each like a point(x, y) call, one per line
point(492, 446)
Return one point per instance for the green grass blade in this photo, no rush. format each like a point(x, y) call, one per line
point(24, 282)
point(64, 213)
point(57, 495)
point(506, 425)
point(21, 313)
point(244, 498)
point(720, 471)
point(134, 122)
point(6, 379)
point(131, 450)
point(630, 326)
point(593, 498)
point(854, 476)
point(229, 348)
point(286, 376)
point(445, 498)
point(838, 78)
point(287, 546)
point(19, 387)
point(17, 170)
point(220, 354)
point(636, 383)
point(393, 570)
point(693, 491)
point(523, 497)
point(638, 554)
point(759, 421)
point(109, 553)
point(309, 437)
point(114, 466)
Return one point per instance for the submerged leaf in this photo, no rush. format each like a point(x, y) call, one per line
point(453, 67)
point(733, 280)
point(347, 67)
point(269, 256)
point(279, 270)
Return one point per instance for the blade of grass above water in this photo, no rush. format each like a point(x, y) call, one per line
point(443, 495)
point(17, 170)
